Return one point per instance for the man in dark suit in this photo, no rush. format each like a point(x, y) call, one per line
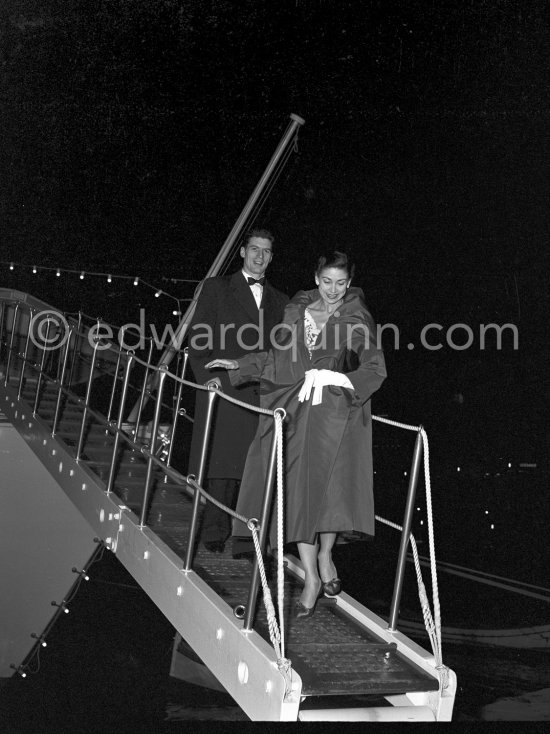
point(234, 316)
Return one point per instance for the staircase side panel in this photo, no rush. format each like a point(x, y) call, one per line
point(42, 537)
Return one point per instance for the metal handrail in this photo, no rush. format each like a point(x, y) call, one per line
point(150, 454)
point(405, 533)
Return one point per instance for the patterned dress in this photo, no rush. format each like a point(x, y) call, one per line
point(311, 331)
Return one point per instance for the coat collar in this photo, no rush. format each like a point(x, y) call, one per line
point(352, 307)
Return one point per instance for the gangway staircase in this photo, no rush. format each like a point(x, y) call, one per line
point(72, 478)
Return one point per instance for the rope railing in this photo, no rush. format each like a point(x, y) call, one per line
point(431, 622)
point(276, 626)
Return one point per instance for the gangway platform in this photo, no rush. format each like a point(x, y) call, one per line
point(69, 448)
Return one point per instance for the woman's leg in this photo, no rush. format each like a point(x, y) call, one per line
point(312, 584)
point(327, 568)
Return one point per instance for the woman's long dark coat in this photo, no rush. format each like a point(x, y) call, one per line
point(328, 448)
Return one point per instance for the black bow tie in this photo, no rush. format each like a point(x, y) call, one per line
point(253, 281)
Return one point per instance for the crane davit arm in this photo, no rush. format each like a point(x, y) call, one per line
point(289, 138)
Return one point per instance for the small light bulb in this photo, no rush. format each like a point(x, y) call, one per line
point(82, 275)
point(58, 273)
point(136, 281)
point(109, 278)
point(34, 268)
point(11, 266)
point(157, 294)
point(458, 468)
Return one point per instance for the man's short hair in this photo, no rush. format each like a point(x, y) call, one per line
point(258, 232)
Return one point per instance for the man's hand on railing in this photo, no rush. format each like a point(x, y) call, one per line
point(225, 364)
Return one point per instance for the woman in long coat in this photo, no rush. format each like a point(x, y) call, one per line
point(326, 348)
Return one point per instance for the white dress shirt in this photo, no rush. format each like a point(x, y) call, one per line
point(256, 288)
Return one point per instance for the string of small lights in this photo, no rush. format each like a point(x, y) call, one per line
point(137, 280)
point(32, 662)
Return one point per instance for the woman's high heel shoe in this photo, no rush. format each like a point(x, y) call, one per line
point(303, 612)
point(332, 587)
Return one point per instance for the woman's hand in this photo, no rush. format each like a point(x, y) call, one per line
point(225, 364)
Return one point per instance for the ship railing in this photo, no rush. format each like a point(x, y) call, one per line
point(34, 354)
point(26, 349)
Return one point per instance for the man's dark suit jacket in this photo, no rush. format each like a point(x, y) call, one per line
point(225, 306)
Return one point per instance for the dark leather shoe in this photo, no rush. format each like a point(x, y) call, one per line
point(214, 546)
point(302, 612)
point(333, 587)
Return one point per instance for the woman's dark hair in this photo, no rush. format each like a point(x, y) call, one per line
point(335, 259)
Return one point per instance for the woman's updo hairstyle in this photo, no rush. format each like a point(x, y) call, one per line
point(335, 259)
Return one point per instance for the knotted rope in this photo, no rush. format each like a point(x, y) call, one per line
point(276, 628)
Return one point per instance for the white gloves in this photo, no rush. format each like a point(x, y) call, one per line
point(317, 379)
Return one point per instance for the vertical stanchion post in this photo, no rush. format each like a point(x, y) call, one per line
point(77, 339)
point(61, 380)
point(87, 400)
point(12, 339)
point(405, 533)
point(115, 380)
point(199, 479)
point(24, 356)
point(264, 526)
point(162, 371)
point(2, 310)
point(125, 384)
point(176, 411)
point(41, 367)
point(143, 390)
